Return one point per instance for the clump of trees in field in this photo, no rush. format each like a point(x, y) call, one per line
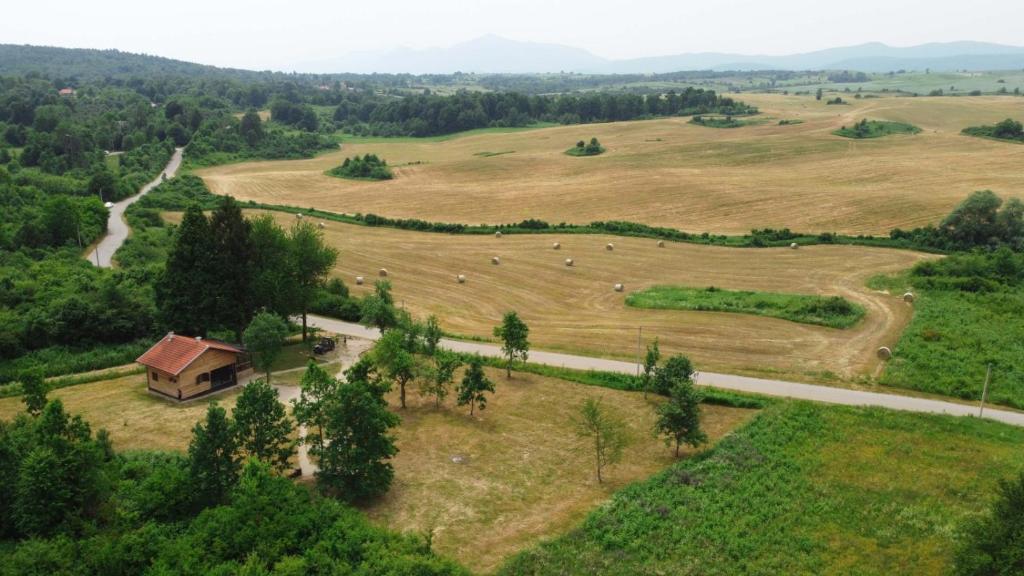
point(367, 167)
point(717, 121)
point(1008, 129)
point(592, 148)
point(876, 129)
point(835, 101)
point(983, 220)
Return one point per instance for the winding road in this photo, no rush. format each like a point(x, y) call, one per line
point(762, 386)
point(102, 254)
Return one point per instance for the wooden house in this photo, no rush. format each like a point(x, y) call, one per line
point(182, 367)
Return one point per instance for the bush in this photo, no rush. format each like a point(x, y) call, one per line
point(369, 167)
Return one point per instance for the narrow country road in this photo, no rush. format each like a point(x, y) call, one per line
point(117, 229)
point(766, 387)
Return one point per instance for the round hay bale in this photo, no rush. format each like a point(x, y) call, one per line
point(568, 262)
point(496, 260)
point(461, 278)
point(359, 280)
point(383, 272)
point(299, 215)
point(609, 247)
point(556, 246)
point(793, 246)
point(619, 287)
point(661, 243)
point(321, 225)
point(908, 297)
point(497, 234)
point(884, 353)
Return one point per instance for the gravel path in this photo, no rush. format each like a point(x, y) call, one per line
point(117, 229)
point(763, 386)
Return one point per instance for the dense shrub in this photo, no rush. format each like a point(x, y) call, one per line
point(368, 167)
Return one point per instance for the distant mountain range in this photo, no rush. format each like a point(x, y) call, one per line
point(494, 54)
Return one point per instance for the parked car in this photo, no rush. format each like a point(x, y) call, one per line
point(324, 346)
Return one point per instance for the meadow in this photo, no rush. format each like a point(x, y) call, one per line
point(833, 311)
point(802, 489)
point(668, 172)
point(520, 474)
point(575, 309)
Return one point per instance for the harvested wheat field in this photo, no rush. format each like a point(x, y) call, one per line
point(495, 483)
point(135, 418)
point(670, 173)
point(576, 309)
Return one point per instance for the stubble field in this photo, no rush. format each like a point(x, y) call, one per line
point(576, 309)
point(670, 173)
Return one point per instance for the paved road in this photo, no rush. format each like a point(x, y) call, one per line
point(117, 229)
point(766, 387)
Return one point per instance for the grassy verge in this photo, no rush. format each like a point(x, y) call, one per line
point(952, 338)
point(831, 311)
point(843, 490)
point(627, 382)
point(875, 129)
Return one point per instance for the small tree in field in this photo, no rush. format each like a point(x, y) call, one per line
point(474, 384)
point(317, 389)
point(514, 335)
point(650, 365)
point(33, 391)
point(262, 425)
point(264, 339)
point(392, 357)
point(439, 376)
point(378, 310)
point(606, 430)
point(679, 418)
point(676, 370)
point(431, 335)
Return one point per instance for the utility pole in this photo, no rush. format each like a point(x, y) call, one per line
point(97, 255)
point(984, 391)
point(639, 338)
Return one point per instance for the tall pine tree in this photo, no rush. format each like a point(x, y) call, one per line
point(182, 291)
point(232, 267)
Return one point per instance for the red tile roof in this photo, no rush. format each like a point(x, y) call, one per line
point(174, 352)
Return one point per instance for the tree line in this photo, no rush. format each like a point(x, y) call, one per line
point(430, 114)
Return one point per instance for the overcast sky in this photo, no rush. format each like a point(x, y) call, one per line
point(261, 34)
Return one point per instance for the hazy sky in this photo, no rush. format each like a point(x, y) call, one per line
point(261, 34)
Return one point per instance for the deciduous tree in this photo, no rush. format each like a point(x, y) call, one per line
point(264, 340)
point(607, 432)
point(515, 345)
point(33, 390)
point(262, 425)
point(312, 259)
point(473, 386)
point(679, 418)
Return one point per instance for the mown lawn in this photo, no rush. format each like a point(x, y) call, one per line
point(831, 311)
point(803, 489)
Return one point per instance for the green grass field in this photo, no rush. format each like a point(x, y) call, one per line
point(953, 336)
point(876, 129)
point(831, 311)
point(803, 489)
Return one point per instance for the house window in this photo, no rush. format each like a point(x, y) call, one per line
point(156, 377)
point(205, 377)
